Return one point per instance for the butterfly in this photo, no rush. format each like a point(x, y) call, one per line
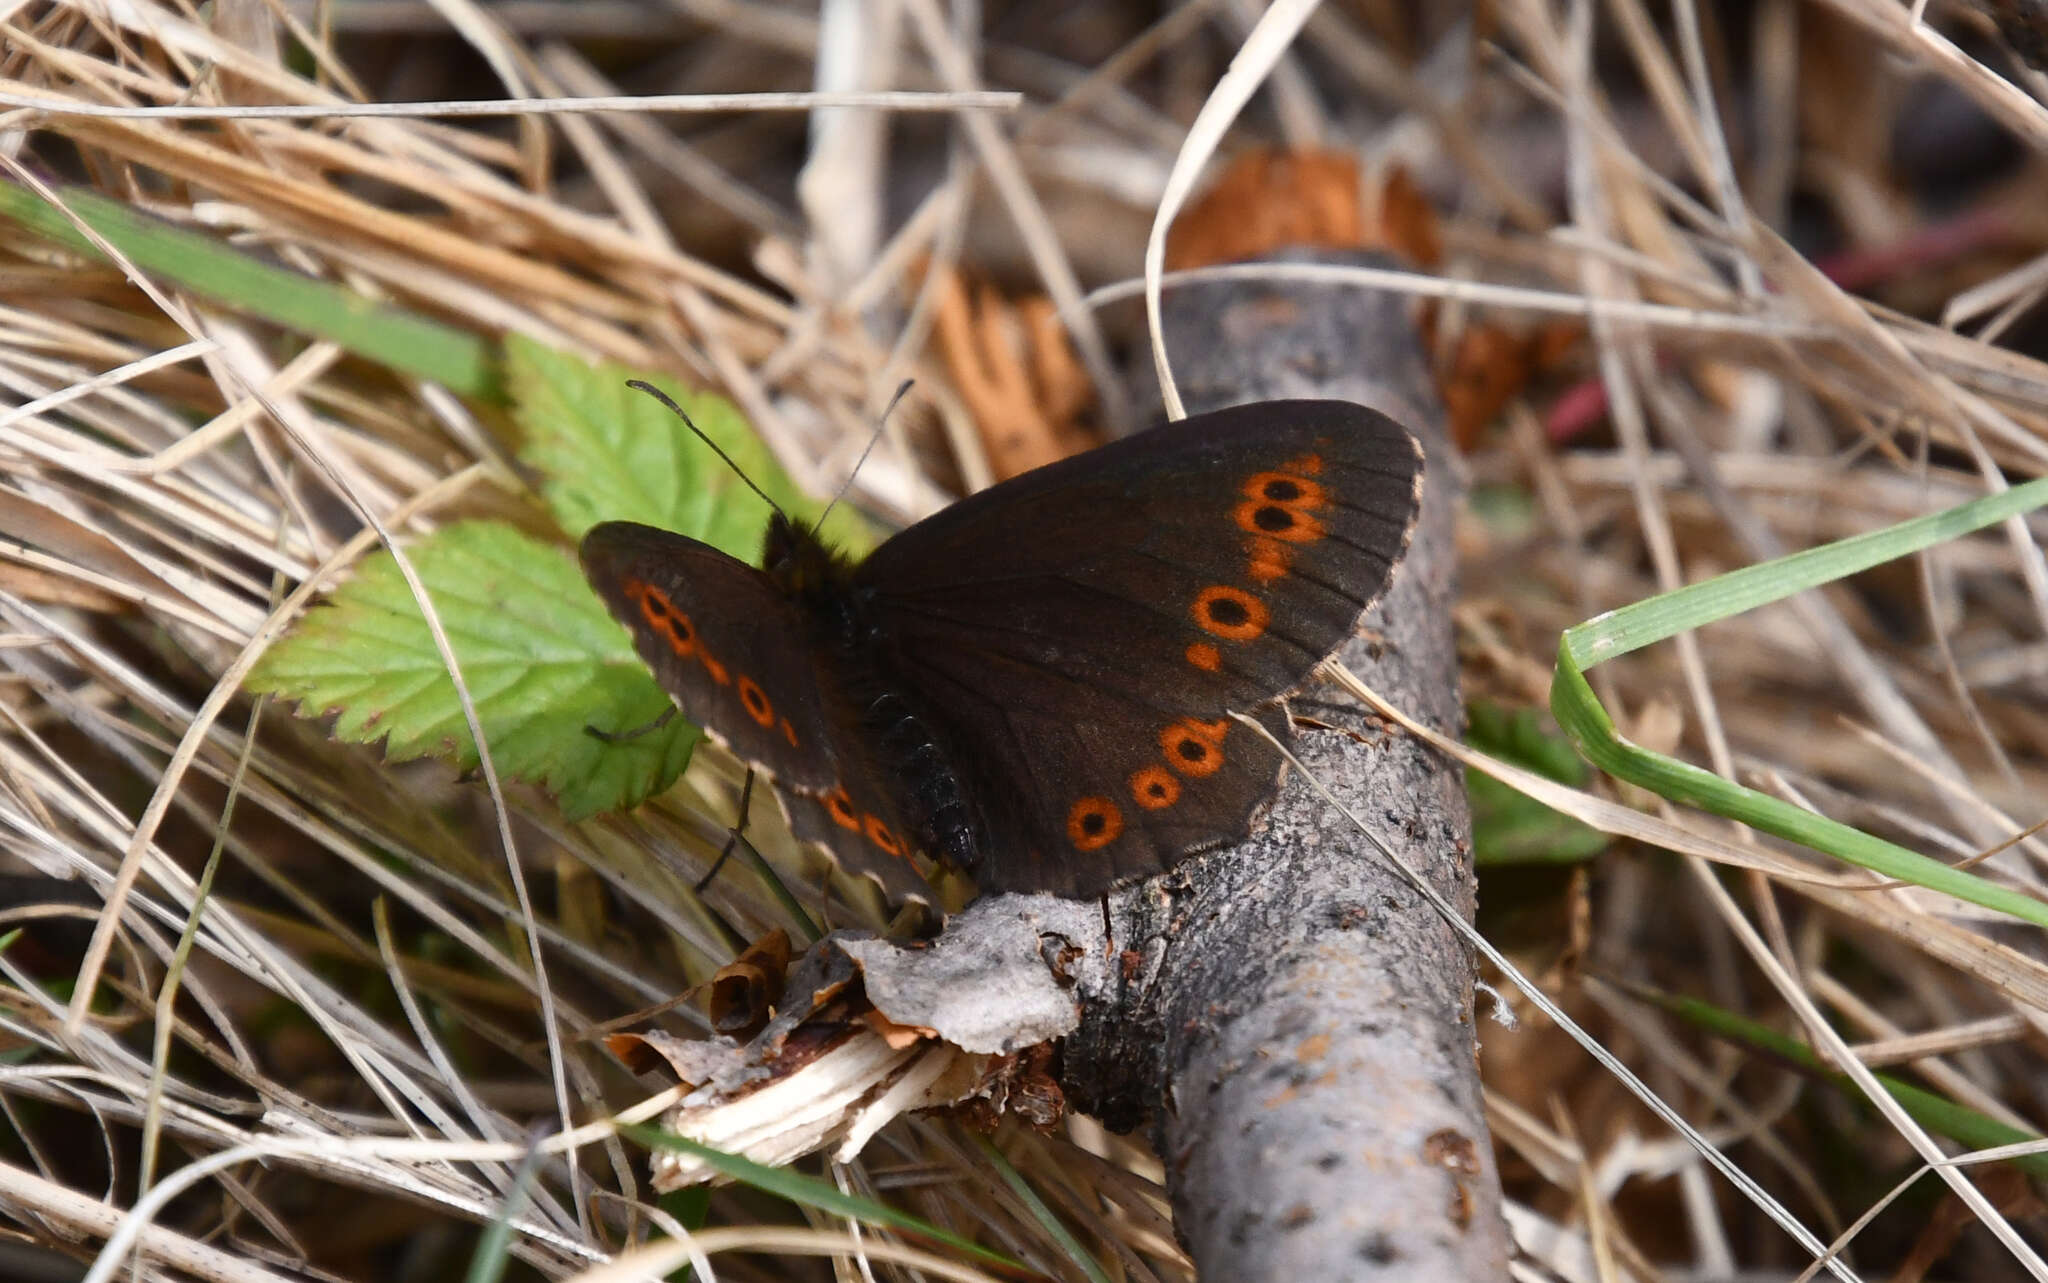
point(1035, 684)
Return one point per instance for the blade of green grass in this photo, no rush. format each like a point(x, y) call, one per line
point(747, 851)
point(494, 1245)
point(1936, 1113)
point(1653, 620)
point(812, 1192)
point(463, 362)
point(1052, 1225)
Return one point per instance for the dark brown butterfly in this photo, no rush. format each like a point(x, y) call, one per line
point(1034, 683)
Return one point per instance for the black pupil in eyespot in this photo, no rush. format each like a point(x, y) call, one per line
point(1225, 611)
point(1092, 822)
point(1192, 750)
point(1282, 491)
point(1273, 518)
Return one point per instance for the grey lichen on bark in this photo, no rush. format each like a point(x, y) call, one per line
point(1290, 1013)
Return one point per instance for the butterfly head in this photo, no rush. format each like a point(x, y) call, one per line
point(802, 565)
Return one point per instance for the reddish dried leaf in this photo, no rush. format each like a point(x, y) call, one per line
point(1492, 365)
point(1268, 200)
point(1407, 222)
point(1489, 366)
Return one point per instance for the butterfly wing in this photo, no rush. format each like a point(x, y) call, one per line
point(734, 653)
point(1082, 632)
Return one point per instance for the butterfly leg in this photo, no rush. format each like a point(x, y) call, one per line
point(732, 835)
point(620, 737)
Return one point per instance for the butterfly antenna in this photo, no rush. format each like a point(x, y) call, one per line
point(902, 390)
point(669, 401)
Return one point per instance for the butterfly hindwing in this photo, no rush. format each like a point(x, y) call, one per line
point(1126, 812)
point(859, 822)
point(734, 654)
point(1082, 632)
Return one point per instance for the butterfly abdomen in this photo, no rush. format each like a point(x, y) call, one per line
point(935, 801)
point(937, 811)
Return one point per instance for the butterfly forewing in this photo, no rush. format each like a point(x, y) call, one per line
point(737, 657)
point(1081, 632)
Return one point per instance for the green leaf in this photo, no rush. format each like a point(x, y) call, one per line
point(1618, 632)
point(1518, 736)
point(1507, 826)
point(1511, 828)
point(494, 1245)
point(1666, 615)
point(540, 655)
point(609, 452)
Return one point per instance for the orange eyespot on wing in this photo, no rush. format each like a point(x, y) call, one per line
point(1279, 505)
point(1285, 490)
point(1094, 823)
point(1205, 657)
point(879, 834)
point(840, 807)
point(1194, 748)
point(663, 617)
point(1154, 788)
point(756, 701)
point(1230, 613)
point(1278, 521)
point(674, 627)
point(1270, 559)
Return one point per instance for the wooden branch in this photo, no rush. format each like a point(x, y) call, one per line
point(1291, 1013)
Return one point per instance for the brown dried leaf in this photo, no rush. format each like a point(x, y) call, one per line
point(744, 992)
point(1024, 1086)
point(1017, 372)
